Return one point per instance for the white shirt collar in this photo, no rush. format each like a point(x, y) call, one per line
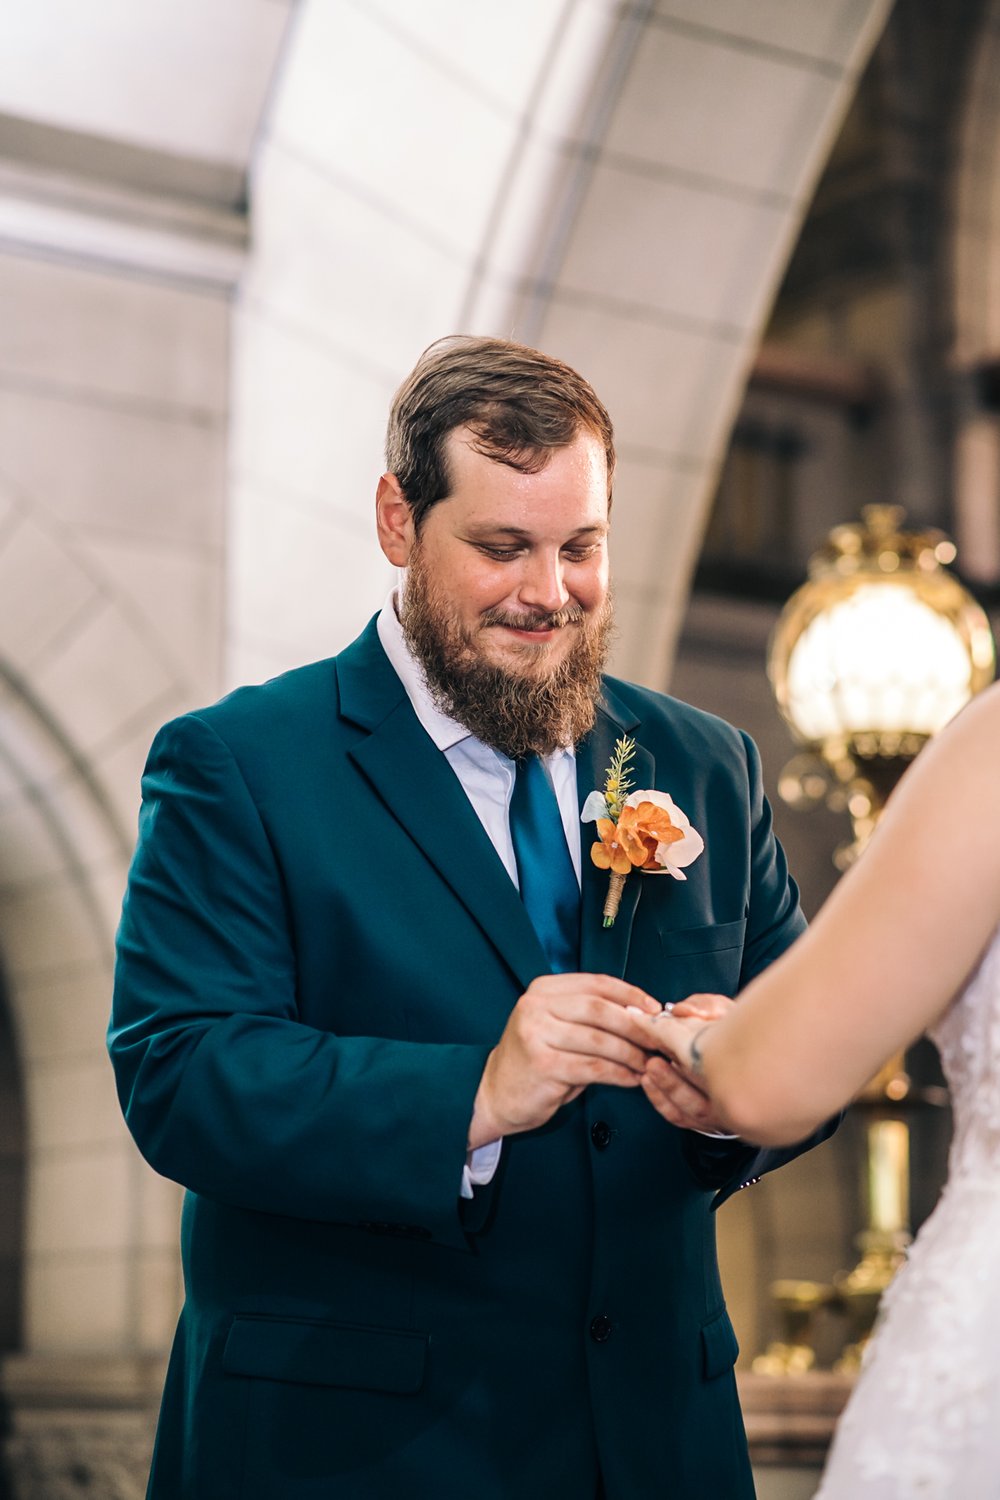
point(444, 731)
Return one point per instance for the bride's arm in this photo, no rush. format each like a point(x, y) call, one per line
point(895, 942)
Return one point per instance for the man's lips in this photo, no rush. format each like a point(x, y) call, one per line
point(533, 632)
point(536, 631)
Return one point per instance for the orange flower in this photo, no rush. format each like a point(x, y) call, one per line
point(642, 828)
point(609, 853)
point(634, 839)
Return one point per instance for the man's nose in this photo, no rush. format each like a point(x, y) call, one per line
point(543, 585)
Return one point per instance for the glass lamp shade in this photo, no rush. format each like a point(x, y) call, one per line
point(881, 647)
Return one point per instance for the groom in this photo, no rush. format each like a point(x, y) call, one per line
point(437, 1241)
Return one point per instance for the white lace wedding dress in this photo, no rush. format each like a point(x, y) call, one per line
point(923, 1422)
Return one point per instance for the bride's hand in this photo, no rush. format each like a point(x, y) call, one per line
point(668, 1082)
point(671, 1031)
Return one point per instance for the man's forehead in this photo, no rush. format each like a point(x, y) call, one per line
point(575, 473)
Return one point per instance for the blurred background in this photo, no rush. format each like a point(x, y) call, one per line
point(768, 234)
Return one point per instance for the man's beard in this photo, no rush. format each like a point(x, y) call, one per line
point(518, 713)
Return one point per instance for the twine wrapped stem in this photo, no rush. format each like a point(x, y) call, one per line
point(614, 898)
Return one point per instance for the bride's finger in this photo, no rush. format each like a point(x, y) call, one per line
point(671, 1036)
point(708, 1007)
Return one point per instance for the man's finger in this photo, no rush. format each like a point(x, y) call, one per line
point(613, 1073)
point(618, 991)
point(674, 1078)
point(682, 1094)
point(662, 1102)
point(605, 1015)
point(703, 1121)
point(592, 1041)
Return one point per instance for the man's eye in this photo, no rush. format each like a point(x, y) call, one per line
point(579, 554)
point(499, 554)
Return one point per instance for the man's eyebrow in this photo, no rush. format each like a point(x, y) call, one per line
point(484, 529)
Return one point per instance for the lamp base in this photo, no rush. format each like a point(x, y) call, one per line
point(797, 1303)
point(858, 1292)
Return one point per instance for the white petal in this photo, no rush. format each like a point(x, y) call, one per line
point(659, 799)
point(595, 807)
point(686, 850)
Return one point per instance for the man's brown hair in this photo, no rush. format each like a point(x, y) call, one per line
point(519, 404)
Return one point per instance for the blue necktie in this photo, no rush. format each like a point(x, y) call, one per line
point(545, 870)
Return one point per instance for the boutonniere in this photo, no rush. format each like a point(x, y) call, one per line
point(638, 830)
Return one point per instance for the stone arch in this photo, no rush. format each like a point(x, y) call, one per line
point(98, 1268)
point(62, 859)
point(113, 431)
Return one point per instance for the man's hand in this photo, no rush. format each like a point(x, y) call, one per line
point(567, 1030)
point(666, 1082)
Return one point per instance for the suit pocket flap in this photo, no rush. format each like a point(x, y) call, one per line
point(711, 939)
point(310, 1353)
point(718, 1346)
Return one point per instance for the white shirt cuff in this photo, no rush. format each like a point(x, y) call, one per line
point(480, 1166)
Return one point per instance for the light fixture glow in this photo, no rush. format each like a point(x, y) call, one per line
point(880, 659)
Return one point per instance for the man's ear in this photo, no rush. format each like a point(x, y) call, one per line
point(394, 519)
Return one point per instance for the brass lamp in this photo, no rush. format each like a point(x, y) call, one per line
point(870, 658)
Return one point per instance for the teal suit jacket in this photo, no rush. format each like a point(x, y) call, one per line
point(318, 949)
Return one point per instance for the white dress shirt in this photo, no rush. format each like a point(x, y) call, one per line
point(487, 778)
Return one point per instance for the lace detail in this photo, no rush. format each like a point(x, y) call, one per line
point(924, 1420)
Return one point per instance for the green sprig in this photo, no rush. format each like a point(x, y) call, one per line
point(618, 784)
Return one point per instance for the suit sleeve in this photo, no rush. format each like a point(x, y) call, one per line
point(774, 921)
point(774, 917)
point(224, 1089)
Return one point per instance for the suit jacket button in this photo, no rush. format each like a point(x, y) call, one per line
point(600, 1328)
point(600, 1134)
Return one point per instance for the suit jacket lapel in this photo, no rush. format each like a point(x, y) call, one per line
point(417, 784)
point(604, 950)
